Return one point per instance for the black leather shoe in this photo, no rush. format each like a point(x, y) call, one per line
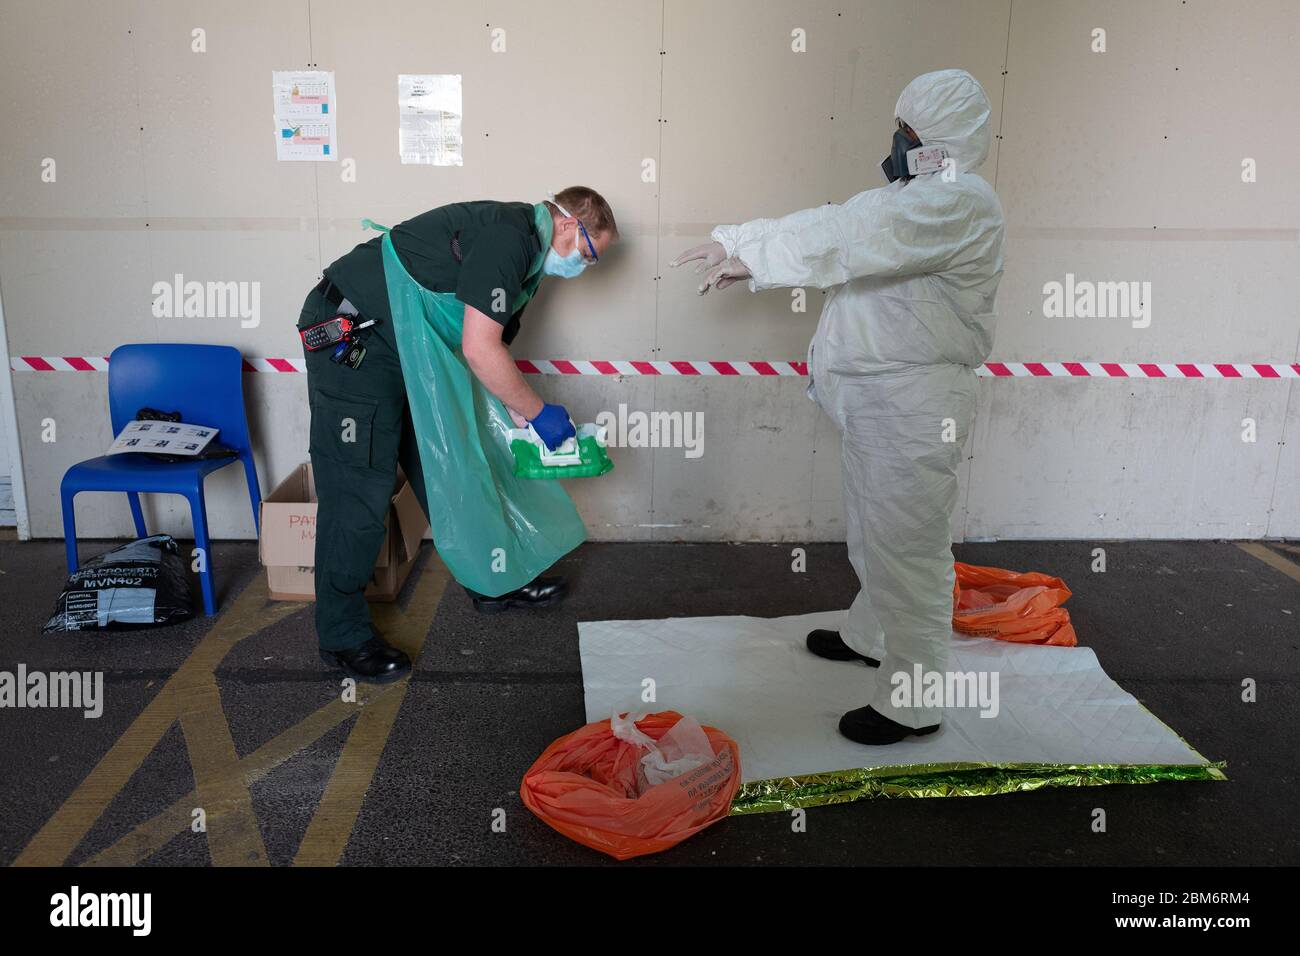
point(542, 592)
point(374, 661)
point(866, 726)
point(830, 645)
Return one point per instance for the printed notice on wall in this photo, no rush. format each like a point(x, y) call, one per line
point(429, 114)
point(305, 117)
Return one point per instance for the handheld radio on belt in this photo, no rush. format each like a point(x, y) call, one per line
point(339, 333)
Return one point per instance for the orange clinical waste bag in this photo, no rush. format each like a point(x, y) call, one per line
point(1024, 607)
point(586, 786)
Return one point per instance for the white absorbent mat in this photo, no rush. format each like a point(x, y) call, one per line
point(754, 679)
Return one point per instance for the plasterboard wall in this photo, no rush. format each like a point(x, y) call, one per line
point(1111, 166)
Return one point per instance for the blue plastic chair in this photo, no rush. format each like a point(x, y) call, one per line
point(205, 384)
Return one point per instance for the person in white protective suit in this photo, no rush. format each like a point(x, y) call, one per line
point(913, 269)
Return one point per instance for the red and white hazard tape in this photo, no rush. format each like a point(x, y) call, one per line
point(576, 367)
point(34, 363)
point(1139, 370)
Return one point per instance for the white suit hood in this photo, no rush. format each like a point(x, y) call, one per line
point(948, 108)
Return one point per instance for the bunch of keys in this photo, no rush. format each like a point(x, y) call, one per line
point(349, 352)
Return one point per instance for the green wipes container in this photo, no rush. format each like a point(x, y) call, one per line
point(582, 456)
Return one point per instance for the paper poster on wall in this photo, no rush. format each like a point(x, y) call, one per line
point(429, 115)
point(305, 115)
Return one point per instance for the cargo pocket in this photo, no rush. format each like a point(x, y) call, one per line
point(341, 429)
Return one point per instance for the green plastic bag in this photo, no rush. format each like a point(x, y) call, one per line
point(494, 531)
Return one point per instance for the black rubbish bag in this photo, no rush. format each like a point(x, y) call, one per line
point(141, 584)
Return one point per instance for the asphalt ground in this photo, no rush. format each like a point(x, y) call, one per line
point(236, 715)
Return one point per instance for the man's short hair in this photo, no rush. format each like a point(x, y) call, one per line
point(589, 206)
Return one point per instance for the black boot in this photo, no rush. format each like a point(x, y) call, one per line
point(866, 726)
point(374, 661)
point(830, 645)
point(541, 592)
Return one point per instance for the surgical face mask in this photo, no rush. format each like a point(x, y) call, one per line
point(565, 267)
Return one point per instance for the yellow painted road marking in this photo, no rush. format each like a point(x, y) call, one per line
point(1271, 558)
point(234, 838)
point(223, 779)
point(150, 837)
point(331, 825)
point(69, 825)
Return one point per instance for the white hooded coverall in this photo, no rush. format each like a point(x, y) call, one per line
point(912, 269)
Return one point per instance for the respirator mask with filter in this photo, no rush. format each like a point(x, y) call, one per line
point(908, 158)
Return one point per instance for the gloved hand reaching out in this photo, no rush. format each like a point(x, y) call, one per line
point(553, 426)
point(724, 274)
point(713, 257)
point(710, 254)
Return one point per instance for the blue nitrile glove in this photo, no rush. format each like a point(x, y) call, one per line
point(553, 426)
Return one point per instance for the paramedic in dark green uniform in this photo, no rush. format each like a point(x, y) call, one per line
point(487, 253)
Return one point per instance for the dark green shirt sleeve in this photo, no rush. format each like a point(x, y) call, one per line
point(494, 270)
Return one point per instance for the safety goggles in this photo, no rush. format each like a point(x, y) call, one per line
point(593, 259)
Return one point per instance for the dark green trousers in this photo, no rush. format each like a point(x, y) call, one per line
point(360, 431)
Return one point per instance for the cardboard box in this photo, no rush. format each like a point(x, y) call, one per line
point(288, 542)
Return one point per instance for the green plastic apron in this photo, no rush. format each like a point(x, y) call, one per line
point(495, 532)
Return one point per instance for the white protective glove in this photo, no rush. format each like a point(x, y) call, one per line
point(724, 274)
point(710, 254)
point(722, 271)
